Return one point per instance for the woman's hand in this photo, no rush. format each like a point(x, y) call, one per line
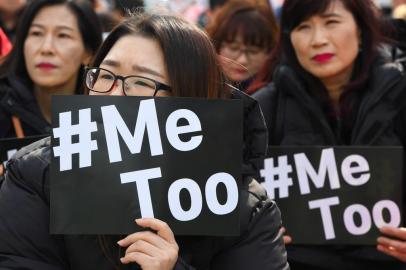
point(394, 246)
point(152, 251)
point(286, 238)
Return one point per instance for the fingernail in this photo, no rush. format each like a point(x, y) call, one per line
point(120, 242)
point(138, 220)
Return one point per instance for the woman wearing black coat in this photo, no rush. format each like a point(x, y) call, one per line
point(332, 85)
point(158, 51)
point(48, 58)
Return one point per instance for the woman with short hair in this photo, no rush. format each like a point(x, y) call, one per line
point(243, 33)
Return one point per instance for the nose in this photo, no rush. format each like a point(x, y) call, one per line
point(48, 45)
point(117, 89)
point(319, 36)
point(242, 58)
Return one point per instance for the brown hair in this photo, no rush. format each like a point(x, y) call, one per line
point(253, 20)
point(191, 62)
point(190, 58)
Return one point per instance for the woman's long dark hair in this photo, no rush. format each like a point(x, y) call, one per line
point(190, 58)
point(296, 11)
point(89, 27)
point(191, 63)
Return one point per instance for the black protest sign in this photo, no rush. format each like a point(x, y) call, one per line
point(337, 195)
point(9, 146)
point(116, 159)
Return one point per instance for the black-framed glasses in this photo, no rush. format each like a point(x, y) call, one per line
point(101, 80)
point(234, 50)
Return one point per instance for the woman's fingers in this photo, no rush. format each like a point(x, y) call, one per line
point(392, 252)
point(137, 257)
point(399, 233)
point(286, 238)
point(143, 247)
point(146, 236)
point(395, 244)
point(152, 251)
point(159, 226)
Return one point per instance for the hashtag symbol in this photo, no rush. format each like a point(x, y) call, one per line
point(84, 147)
point(277, 177)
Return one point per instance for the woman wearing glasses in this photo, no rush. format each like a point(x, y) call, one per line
point(243, 34)
point(101, 81)
point(145, 56)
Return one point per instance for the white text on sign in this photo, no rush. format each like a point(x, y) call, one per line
point(355, 172)
point(117, 131)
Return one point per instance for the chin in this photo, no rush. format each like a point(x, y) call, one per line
point(324, 74)
point(238, 78)
point(47, 84)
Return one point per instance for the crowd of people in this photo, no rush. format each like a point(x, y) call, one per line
point(327, 72)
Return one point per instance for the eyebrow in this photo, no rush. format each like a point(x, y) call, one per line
point(137, 68)
point(147, 70)
point(58, 26)
point(328, 15)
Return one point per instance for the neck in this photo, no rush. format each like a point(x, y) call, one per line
point(44, 94)
point(335, 87)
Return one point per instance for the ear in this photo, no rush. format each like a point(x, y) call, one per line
point(87, 57)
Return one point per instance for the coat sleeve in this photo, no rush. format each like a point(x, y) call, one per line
point(25, 242)
point(267, 99)
point(260, 245)
point(255, 135)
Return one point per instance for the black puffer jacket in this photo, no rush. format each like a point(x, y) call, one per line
point(16, 99)
point(294, 117)
point(25, 242)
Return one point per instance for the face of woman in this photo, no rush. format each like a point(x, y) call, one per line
point(8, 6)
point(327, 45)
point(54, 49)
point(240, 62)
point(133, 56)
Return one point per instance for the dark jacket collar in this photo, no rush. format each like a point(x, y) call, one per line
point(382, 101)
point(18, 99)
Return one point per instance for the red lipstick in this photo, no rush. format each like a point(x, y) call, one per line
point(321, 58)
point(46, 66)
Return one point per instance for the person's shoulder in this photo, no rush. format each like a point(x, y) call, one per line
point(37, 150)
point(31, 161)
point(387, 63)
point(266, 92)
point(250, 103)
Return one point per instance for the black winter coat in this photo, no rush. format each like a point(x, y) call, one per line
point(17, 99)
point(25, 242)
point(294, 117)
